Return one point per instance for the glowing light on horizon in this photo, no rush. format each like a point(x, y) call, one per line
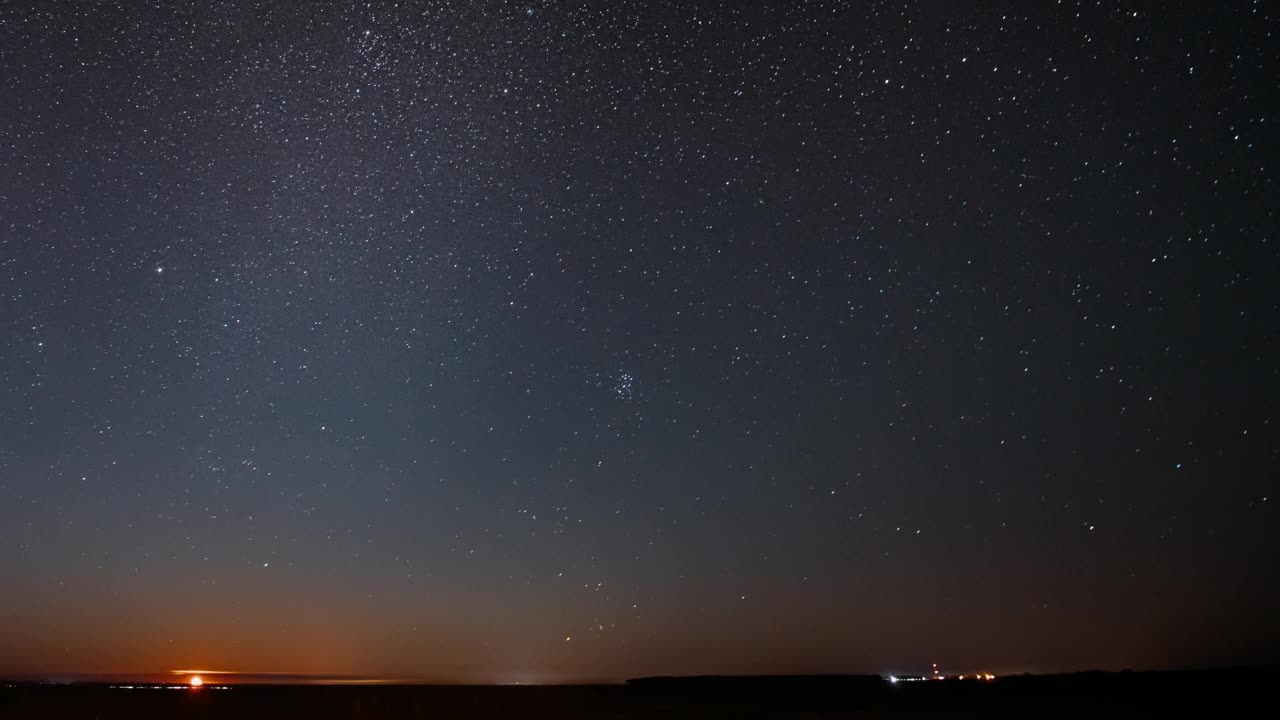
point(195, 681)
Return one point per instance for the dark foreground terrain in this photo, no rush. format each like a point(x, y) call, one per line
point(1186, 694)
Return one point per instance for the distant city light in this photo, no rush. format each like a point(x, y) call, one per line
point(936, 675)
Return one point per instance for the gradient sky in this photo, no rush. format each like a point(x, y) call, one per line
point(528, 341)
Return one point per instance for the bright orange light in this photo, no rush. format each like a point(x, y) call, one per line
point(195, 681)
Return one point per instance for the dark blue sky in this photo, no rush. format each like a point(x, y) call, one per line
point(541, 341)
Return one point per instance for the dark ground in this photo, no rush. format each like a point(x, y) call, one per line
point(1189, 694)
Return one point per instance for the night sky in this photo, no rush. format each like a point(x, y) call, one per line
point(529, 341)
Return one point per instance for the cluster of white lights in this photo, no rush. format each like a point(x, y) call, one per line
point(916, 678)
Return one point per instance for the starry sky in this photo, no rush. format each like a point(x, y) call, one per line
point(537, 341)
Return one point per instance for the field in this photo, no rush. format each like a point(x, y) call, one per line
point(1064, 696)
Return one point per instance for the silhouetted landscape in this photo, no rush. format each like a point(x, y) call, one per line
point(1125, 694)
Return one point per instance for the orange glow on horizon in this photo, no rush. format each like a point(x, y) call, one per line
point(197, 677)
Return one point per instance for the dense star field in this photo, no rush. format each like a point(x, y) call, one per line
point(532, 341)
